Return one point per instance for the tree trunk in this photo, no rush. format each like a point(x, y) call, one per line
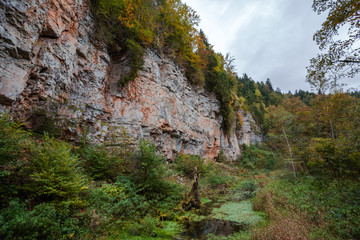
point(289, 148)
point(195, 201)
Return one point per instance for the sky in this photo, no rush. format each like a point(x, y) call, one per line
point(268, 38)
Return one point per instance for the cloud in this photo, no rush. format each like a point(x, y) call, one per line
point(268, 38)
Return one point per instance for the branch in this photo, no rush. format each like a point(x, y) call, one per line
point(349, 61)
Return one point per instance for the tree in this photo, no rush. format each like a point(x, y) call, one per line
point(342, 58)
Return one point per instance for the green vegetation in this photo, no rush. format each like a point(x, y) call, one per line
point(323, 137)
point(185, 164)
point(213, 177)
point(312, 207)
point(318, 133)
point(257, 157)
point(52, 189)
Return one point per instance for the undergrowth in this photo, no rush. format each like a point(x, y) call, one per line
point(309, 208)
point(51, 189)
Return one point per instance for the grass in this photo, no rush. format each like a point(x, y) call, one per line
point(309, 208)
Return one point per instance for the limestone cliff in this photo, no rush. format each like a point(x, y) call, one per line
point(48, 61)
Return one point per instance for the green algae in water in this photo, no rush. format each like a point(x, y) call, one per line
point(240, 212)
point(205, 200)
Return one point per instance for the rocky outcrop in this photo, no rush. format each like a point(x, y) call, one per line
point(49, 62)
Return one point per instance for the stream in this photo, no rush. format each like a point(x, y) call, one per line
point(229, 215)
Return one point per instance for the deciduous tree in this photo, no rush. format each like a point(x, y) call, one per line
point(342, 58)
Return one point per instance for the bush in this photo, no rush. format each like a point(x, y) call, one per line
point(43, 222)
point(136, 55)
point(118, 200)
point(217, 177)
point(54, 174)
point(150, 172)
point(46, 195)
point(221, 157)
point(250, 185)
point(45, 170)
point(185, 164)
point(100, 164)
point(254, 157)
point(13, 145)
point(106, 161)
point(12, 140)
point(146, 228)
point(333, 157)
point(42, 122)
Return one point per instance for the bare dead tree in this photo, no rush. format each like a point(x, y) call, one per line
point(290, 152)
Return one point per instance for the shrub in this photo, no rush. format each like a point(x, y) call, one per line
point(333, 157)
point(44, 191)
point(150, 171)
point(185, 164)
point(221, 157)
point(106, 161)
point(46, 170)
point(249, 185)
point(144, 229)
point(136, 55)
point(218, 177)
point(42, 222)
point(100, 164)
point(118, 200)
point(12, 140)
point(255, 157)
point(13, 145)
point(54, 173)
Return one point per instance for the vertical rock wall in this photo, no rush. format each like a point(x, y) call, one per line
point(48, 62)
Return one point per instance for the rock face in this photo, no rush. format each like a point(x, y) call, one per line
point(48, 62)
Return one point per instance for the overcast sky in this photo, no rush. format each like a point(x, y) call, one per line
point(268, 38)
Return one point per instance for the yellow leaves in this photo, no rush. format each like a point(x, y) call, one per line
point(217, 69)
point(240, 120)
point(110, 190)
point(127, 16)
point(258, 93)
point(146, 36)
